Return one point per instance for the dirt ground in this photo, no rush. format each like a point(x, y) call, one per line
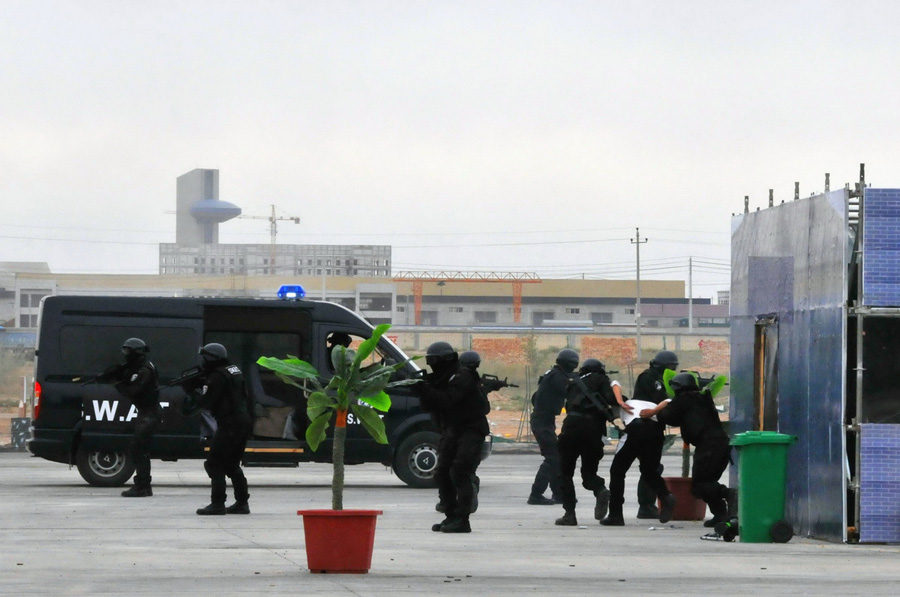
point(506, 424)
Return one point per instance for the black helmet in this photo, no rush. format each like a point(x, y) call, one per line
point(665, 359)
point(136, 345)
point(567, 359)
point(440, 353)
point(339, 338)
point(683, 382)
point(592, 366)
point(213, 352)
point(440, 349)
point(470, 358)
point(134, 348)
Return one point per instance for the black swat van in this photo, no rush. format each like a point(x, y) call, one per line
point(89, 425)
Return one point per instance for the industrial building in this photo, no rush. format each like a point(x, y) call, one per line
point(360, 277)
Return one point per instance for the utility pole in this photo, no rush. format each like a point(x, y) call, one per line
point(691, 294)
point(637, 242)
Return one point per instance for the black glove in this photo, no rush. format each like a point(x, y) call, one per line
point(418, 389)
point(114, 373)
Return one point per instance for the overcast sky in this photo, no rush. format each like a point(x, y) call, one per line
point(490, 135)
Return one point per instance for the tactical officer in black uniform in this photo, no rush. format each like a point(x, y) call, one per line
point(136, 379)
point(221, 391)
point(643, 440)
point(547, 403)
point(472, 360)
point(451, 392)
point(589, 403)
point(695, 413)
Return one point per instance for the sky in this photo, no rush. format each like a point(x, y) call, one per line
point(500, 136)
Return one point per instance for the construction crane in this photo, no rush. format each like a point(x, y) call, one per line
point(273, 228)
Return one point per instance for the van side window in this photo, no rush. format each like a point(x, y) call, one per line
point(172, 349)
point(352, 342)
point(244, 348)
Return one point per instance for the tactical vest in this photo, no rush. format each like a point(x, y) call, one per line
point(235, 403)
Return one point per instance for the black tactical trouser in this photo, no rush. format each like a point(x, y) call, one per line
point(711, 458)
point(581, 436)
point(643, 441)
point(144, 426)
point(459, 454)
point(224, 460)
point(548, 473)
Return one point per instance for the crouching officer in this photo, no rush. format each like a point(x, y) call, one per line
point(136, 379)
point(589, 401)
point(452, 393)
point(220, 389)
point(695, 413)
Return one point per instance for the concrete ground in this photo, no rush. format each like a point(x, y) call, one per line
point(61, 536)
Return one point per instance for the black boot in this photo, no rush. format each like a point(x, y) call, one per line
point(568, 520)
point(712, 522)
point(648, 511)
point(136, 491)
point(458, 525)
point(238, 508)
point(438, 526)
point(719, 510)
point(214, 509)
point(539, 500)
point(613, 520)
point(668, 508)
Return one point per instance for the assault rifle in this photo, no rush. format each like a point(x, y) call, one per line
point(114, 374)
point(492, 383)
point(189, 379)
point(604, 408)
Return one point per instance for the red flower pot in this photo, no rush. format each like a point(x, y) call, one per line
point(688, 506)
point(339, 540)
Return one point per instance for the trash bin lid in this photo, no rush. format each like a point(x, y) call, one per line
point(762, 437)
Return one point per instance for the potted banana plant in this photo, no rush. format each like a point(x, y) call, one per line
point(339, 540)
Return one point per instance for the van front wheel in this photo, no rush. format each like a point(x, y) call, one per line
point(415, 460)
point(103, 468)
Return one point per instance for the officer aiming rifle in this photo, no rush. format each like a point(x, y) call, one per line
point(114, 374)
point(189, 379)
point(492, 383)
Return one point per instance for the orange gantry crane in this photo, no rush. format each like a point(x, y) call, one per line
point(514, 278)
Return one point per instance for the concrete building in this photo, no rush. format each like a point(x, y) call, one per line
point(18, 308)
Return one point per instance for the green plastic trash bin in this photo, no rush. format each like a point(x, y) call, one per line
point(762, 467)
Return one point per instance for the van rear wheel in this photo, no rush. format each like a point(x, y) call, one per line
point(104, 468)
point(415, 461)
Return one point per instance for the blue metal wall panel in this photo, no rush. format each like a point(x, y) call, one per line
point(803, 243)
point(881, 266)
point(880, 481)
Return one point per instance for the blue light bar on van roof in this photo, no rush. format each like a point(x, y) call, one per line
point(291, 292)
